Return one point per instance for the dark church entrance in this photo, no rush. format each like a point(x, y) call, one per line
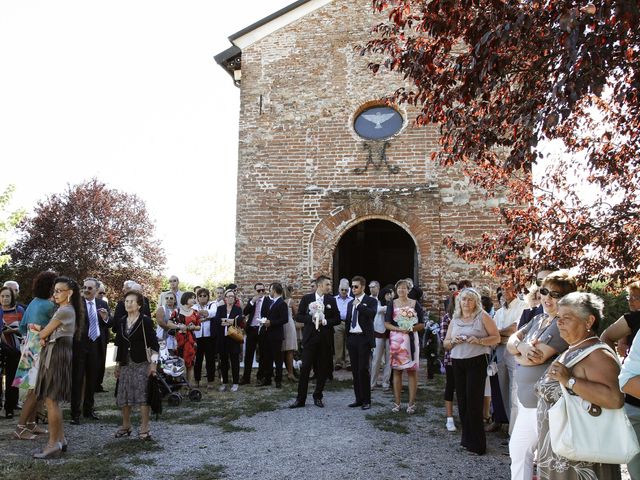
point(377, 250)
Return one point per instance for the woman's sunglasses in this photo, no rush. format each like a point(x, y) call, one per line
point(551, 293)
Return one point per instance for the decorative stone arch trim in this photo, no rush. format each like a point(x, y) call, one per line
point(326, 235)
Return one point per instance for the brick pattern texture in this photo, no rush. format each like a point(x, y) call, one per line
point(297, 191)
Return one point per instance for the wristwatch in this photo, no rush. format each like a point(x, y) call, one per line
point(570, 383)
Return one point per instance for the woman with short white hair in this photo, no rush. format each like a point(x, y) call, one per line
point(470, 336)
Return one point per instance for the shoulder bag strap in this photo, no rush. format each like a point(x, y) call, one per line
point(586, 352)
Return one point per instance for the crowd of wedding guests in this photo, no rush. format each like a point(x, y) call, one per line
point(506, 367)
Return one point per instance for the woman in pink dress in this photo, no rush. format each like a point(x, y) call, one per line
point(404, 319)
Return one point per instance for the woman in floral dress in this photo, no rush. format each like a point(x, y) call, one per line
point(403, 343)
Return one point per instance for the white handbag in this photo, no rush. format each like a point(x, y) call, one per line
point(581, 431)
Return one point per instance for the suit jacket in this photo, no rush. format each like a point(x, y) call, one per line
point(528, 314)
point(81, 342)
point(224, 344)
point(278, 315)
point(331, 313)
point(367, 311)
point(132, 345)
point(249, 310)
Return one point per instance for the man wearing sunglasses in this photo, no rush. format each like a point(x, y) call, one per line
point(361, 312)
point(87, 353)
point(254, 310)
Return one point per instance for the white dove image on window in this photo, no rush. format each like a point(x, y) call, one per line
point(378, 118)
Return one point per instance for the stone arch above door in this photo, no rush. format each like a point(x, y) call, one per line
point(327, 233)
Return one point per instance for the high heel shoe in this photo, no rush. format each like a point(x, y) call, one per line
point(144, 435)
point(23, 433)
point(64, 444)
point(122, 431)
point(50, 451)
point(411, 408)
point(35, 429)
point(396, 407)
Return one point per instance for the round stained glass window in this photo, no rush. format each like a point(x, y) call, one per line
point(378, 123)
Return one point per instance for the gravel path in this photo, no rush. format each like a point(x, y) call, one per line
point(331, 443)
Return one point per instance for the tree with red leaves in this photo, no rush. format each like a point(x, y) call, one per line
point(509, 80)
point(89, 230)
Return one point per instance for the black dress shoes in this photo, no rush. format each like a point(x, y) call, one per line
point(318, 402)
point(355, 404)
point(92, 416)
point(365, 406)
point(296, 404)
point(75, 420)
point(243, 382)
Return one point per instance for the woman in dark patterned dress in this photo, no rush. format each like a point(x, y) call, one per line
point(134, 334)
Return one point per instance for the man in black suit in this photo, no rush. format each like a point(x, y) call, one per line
point(256, 308)
point(316, 341)
point(272, 335)
point(361, 313)
point(87, 354)
point(105, 327)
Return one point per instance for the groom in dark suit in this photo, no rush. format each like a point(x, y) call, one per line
point(272, 335)
point(316, 343)
point(361, 312)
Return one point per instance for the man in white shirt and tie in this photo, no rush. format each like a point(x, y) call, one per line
point(361, 313)
point(506, 319)
point(256, 308)
point(85, 366)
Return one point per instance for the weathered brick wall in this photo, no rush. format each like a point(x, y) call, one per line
point(297, 191)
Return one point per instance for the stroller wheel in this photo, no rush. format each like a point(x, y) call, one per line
point(174, 399)
point(195, 395)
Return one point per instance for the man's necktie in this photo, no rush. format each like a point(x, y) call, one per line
point(354, 317)
point(93, 322)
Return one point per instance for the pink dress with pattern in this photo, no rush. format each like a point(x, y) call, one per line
point(400, 348)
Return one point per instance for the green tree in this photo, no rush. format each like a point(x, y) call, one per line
point(8, 222)
point(90, 230)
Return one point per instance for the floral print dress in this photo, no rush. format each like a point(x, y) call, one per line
point(550, 465)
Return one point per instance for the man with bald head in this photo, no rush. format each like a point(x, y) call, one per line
point(174, 287)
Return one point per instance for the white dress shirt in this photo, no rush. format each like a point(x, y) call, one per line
point(357, 328)
point(507, 316)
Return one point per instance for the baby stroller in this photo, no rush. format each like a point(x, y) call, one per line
point(172, 377)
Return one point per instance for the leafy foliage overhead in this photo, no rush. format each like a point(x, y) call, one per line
point(90, 230)
point(503, 79)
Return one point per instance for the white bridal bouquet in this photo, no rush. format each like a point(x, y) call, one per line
point(316, 310)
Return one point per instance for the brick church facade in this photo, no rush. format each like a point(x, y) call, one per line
point(314, 195)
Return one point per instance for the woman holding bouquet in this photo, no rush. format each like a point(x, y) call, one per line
point(404, 319)
point(470, 336)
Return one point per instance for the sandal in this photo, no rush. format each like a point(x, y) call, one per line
point(411, 408)
point(42, 418)
point(122, 431)
point(23, 433)
point(35, 429)
point(144, 435)
point(396, 408)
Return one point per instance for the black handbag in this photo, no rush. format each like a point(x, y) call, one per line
point(154, 395)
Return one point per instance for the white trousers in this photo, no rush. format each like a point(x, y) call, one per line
point(523, 443)
point(382, 346)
